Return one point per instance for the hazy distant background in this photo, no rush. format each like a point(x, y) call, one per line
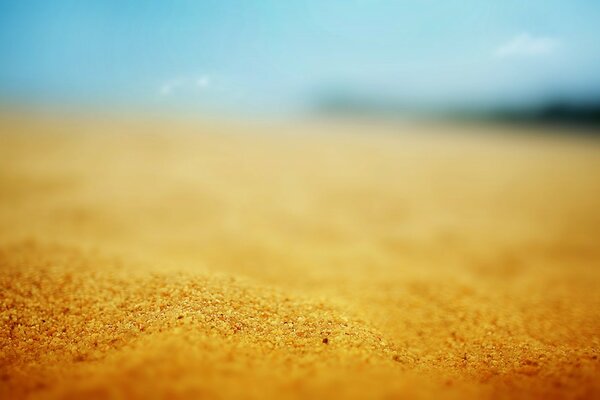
point(269, 57)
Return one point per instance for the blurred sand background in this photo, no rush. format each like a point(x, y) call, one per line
point(170, 259)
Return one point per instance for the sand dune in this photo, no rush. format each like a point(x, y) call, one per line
point(163, 259)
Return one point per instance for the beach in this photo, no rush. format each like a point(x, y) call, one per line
point(170, 258)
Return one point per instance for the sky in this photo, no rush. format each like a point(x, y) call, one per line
point(278, 56)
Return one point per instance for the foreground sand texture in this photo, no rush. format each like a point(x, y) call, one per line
point(163, 259)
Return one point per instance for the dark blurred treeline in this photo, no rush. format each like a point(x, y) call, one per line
point(550, 112)
point(562, 112)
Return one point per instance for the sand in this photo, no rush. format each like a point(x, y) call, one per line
point(170, 259)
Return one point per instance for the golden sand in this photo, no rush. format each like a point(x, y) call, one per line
point(173, 260)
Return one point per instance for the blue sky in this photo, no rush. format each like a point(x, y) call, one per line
point(277, 55)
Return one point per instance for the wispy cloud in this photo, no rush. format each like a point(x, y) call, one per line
point(203, 81)
point(527, 45)
point(184, 83)
point(168, 87)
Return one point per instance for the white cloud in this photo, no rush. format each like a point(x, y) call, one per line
point(527, 45)
point(184, 83)
point(203, 81)
point(168, 87)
